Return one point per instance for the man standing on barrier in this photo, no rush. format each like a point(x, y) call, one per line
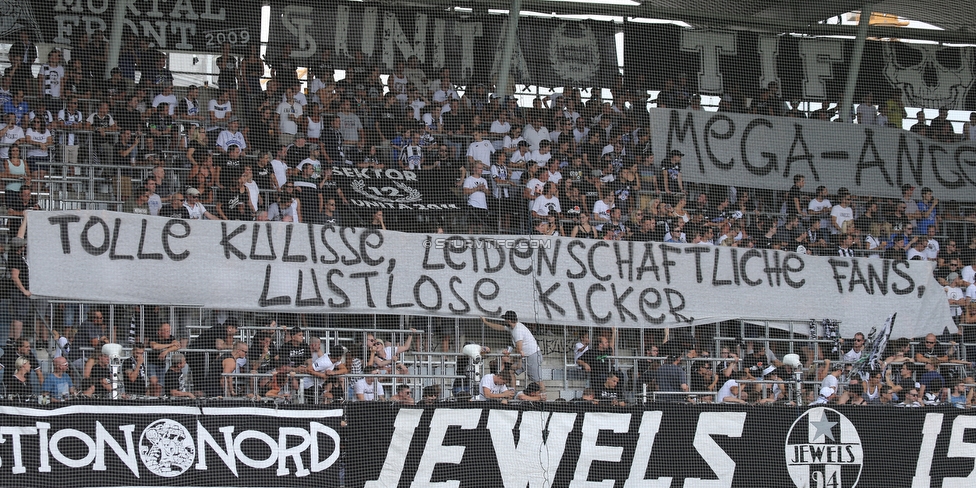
point(525, 344)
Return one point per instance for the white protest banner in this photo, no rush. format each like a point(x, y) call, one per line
point(125, 258)
point(765, 152)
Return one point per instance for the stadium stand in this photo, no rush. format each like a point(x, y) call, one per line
point(274, 137)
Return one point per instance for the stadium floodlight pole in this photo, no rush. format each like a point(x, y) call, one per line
point(501, 87)
point(847, 102)
point(115, 37)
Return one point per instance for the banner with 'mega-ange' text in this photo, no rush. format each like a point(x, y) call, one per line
point(765, 152)
point(276, 266)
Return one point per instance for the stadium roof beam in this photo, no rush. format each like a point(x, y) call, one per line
point(957, 18)
point(855, 67)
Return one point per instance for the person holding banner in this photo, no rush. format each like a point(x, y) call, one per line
point(387, 358)
point(525, 344)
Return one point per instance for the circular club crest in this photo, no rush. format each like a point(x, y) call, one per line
point(823, 450)
point(166, 448)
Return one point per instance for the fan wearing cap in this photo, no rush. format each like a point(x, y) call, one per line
point(195, 209)
point(525, 343)
point(831, 380)
point(729, 392)
point(386, 357)
point(826, 395)
point(671, 172)
point(776, 391)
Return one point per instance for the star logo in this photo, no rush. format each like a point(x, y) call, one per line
point(823, 427)
point(823, 448)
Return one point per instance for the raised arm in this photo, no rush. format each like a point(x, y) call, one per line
point(494, 325)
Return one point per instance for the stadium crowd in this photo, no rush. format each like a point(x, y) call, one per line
point(264, 149)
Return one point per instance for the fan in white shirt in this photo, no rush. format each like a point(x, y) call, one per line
point(548, 202)
point(166, 97)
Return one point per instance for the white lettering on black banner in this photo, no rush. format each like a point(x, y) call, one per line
point(140, 443)
point(189, 25)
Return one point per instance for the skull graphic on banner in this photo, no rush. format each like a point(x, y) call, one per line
point(930, 76)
